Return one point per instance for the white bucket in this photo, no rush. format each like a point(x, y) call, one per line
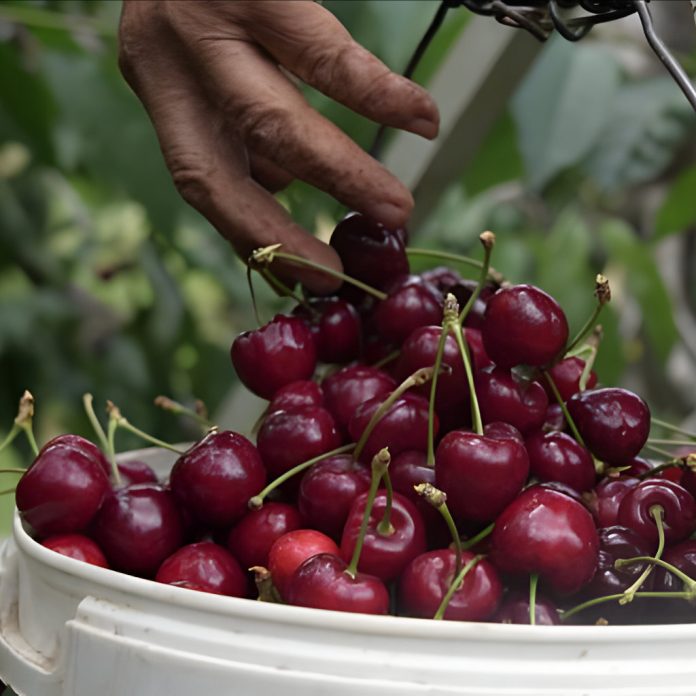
point(71, 629)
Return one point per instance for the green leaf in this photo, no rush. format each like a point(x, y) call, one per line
point(561, 108)
point(679, 208)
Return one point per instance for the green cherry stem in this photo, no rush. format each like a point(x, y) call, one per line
point(418, 378)
point(438, 499)
point(25, 418)
point(387, 359)
point(281, 288)
point(385, 527)
point(673, 428)
point(122, 422)
point(454, 586)
point(111, 449)
point(659, 450)
point(608, 598)
point(252, 294)
point(466, 359)
point(603, 295)
point(380, 464)
point(690, 583)
point(494, 275)
point(267, 255)
point(470, 543)
point(656, 512)
point(257, 501)
point(533, 582)
point(488, 241)
point(672, 443)
point(679, 461)
point(178, 409)
point(564, 408)
point(88, 403)
point(14, 431)
point(13, 470)
point(7, 491)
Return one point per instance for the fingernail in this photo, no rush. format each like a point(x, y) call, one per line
point(390, 215)
point(426, 127)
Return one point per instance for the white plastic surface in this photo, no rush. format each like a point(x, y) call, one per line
point(71, 629)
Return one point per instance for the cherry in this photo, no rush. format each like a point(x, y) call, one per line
point(291, 550)
point(303, 392)
point(504, 397)
point(346, 389)
point(678, 505)
point(523, 325)
point(288, 438)
point(328, 490)
point(614, 423)
point(555, 419)
point(136, 471)
point(566, 376)
point(463, 291)
point(385, 552)
point(479, 357)
point(77, 546)
point(412, 302)
point(62, 490)
point(278, 353)
point(321, 582)
point(606, 498)
point(138, 527)
point(480, 474)
point(204, 566)
point(442, 277)
point(546, 532)
point(250, 540)
point(683, 557)
point(515, 610)
point(216, 477)
point(559, 457)
point(83, 446)
point(425, 581)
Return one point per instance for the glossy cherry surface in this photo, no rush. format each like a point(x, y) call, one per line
point(205, 566)
point(546, 532)
point(425, 581)
point(515, 610)
point(278, 353)
point(566, 376)
point(136, 471)
point(605, 499)
point(442, 277)
point(83, 446)
point(303, 392)
point(681, 556)
point(523, 325)
point(614, 423)
point(77, 546)
point(215, 479)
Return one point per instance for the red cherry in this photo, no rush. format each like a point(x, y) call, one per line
point(204, 566)
point(136, 471)
point(566, 376)
point(77, 546)
point(614, 423)
point(425, 581)
point(479, 357)
point(138, 527)
point(523, 325)
point(442, 277)
point(250, 540)
point(322, 583)
point(216, 477)
point(683, 557)
point(604, 501)
point(515, 610)
point(278, 353)
point(83, 446)
point(291, 550)
point(463, 291)
point(336, 328)
point(304, 392)
point(546, 532)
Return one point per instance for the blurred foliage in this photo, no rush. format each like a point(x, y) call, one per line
point(110, 284)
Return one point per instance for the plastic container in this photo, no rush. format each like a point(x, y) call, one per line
point(71, 629)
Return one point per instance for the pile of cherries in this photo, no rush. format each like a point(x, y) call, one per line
point(433, 447)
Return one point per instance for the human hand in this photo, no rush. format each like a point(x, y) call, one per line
point(233, 128)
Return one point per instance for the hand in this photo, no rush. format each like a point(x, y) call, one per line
point(233, 127)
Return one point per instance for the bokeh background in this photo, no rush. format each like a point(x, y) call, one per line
point(110, 284)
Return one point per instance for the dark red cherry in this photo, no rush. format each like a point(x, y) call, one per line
point(426, 579)
point(62, 490)
point(369, 251)
point(288, 438)
point(515, 610)
point(559, 457)
point(614, 423)
point(206, 566)
point(384, 555)
point(346, 389)
point(138, 527)
point(216, 477)
point(479, 357)
point(328, 490)
point(566, 376)
point(278, 353)
point(136, 471)
point(442, 277)
point(77, 546)
point(463, 291)
point(83, 446)
point(555, 419)
point(304, 392)
point(546, 532)
point(480, 474)
point(679, 506)
point(412, 302)
point(604, 501)
point(250, 540)
point(291, 550)
point(523, 325)
point(404, 426)
point(681, 556)
point(502, 396)
point(322, 583)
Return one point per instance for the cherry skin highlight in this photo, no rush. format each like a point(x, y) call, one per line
point(77, 546)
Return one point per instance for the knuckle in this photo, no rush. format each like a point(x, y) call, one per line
point(191, 177)
point(261, 127)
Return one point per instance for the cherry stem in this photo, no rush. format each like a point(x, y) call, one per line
point(264, 585)
point(122, 422)
point(88, 403)
point(24, 419)
point(675, 443)
point(252, 294)
point(385, 527)
point(608, 598)
point(689, 582)
point(486, 531)
point(286, 291)
point(268, 254)
point(494, 275)
point(8, 491)
point(12, 470)
point(603, 295)
point(454, 586)
point(564, 408)
point(679, 461)
point(438, 499)
point(178, 409)
point(656, 512)
point(464, 351)
point(387, 359)
point(380, 464)
point(673, 428)
point(257, 501)
point(111, 450)
point(418, 378)
point(533, 582)
point(659, 450)
point(14, 431)
point(488, 241)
